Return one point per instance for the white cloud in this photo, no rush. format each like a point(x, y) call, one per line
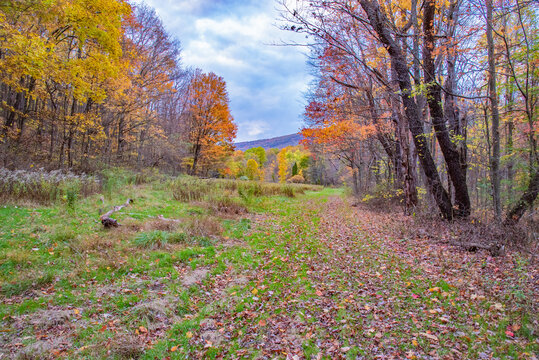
point(232, 38)
point(251, 130)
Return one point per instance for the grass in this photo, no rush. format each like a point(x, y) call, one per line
point(301, 269)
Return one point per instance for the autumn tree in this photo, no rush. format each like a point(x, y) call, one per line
point(210, 125)
point(251, 170)
point(257, 153)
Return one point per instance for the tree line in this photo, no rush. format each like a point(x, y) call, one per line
point(86, 84)
point(443, 92)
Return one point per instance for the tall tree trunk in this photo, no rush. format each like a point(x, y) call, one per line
point(434, 99)
point(509, 136)
point(398, 62)
point(495, 123)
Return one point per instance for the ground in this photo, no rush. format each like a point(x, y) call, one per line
point(309, 277)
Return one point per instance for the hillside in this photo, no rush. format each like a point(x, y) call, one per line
point(276, 142)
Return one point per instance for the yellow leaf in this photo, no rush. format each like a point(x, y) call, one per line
point(415, 343)
point(76, 311)
point(188, 334)
point(254, 291)
point(174, 348)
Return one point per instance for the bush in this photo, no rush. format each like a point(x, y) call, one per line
point(296, 179)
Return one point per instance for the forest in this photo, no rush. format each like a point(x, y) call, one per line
point(404, 225)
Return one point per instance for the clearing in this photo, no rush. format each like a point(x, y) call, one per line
point(298, 277)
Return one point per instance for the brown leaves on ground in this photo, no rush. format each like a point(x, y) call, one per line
point(352, 286)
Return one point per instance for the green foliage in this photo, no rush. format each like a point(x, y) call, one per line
point(294, 169)
point(115, 179)
point(71, 190)
point(258, 154)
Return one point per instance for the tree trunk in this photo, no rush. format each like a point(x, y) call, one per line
point(495, 123)
point(399, 63)
point(434, 99)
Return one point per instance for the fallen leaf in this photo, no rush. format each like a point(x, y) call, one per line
point(429, 336)
point(188, 334)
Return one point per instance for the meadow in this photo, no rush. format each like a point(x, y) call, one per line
point(214, 268)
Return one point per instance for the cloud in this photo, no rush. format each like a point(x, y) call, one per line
point(233, 39)
point(254, 128)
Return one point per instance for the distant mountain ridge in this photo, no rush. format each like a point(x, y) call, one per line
point(276, 142)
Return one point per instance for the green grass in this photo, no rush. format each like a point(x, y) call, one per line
point(278, 271)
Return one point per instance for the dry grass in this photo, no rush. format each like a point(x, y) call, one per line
point(46, 319)
point(202, 226)
point(192, 190)
point(161, 225)
point(125, 346)
point(227, 206)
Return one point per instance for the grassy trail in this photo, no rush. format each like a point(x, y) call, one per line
point(307, 277)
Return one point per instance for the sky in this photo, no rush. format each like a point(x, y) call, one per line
point(236, 39)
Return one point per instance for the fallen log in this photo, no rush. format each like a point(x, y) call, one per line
point(109, 222)
point(493, 249)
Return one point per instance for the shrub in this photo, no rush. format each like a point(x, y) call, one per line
point(296, 179)
point(71, 190)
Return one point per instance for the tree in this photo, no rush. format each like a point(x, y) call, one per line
point(258, 153)
point(211, 127)
point(251, 170)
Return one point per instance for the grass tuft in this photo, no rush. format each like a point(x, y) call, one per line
point(156, 239)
